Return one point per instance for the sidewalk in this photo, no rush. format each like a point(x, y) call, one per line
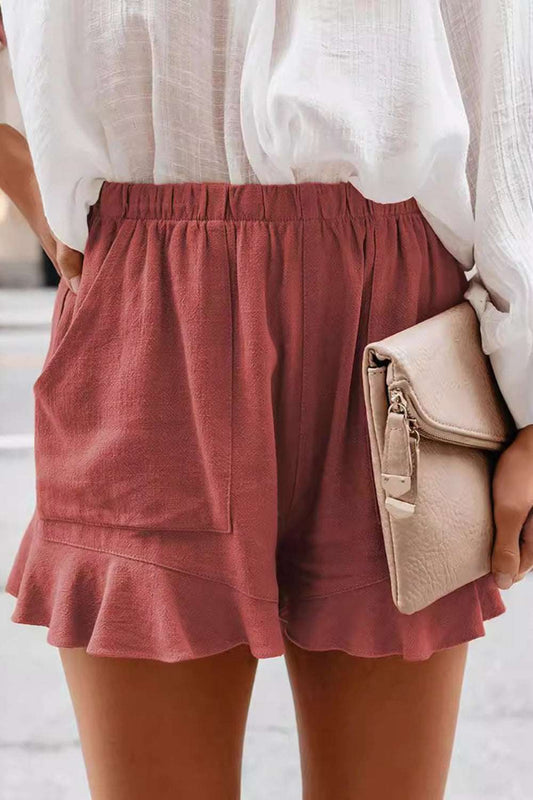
point(40, 758)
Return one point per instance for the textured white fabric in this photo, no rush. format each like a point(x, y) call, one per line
point(404, 98)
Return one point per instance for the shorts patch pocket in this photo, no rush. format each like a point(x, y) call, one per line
point(134, 404)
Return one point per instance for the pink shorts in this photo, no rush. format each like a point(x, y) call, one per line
point(203, 465)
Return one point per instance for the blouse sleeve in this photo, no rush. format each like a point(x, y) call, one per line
point(492, 47)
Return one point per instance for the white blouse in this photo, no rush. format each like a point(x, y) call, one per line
point(403, 98)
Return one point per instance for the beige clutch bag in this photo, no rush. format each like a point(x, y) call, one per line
point(436, 421)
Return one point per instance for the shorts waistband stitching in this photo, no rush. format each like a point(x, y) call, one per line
point(177, 218)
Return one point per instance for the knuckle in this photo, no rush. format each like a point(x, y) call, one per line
point(506, 552)
point(505, 560)
point(507, 537)
point(510, 506)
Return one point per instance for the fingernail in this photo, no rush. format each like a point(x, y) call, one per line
point(74, 283)
point(503, 580)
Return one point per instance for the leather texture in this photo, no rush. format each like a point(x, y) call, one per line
point(437, 422)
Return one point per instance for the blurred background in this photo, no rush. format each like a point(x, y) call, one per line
point(40, 757)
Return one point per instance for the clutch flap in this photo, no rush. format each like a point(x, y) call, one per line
point(439, 367)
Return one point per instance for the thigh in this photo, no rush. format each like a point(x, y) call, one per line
point(154, 729)
point(372, 729)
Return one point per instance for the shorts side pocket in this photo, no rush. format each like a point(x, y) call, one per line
point(134, 414)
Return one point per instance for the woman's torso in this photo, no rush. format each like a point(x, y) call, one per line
point(242, 91)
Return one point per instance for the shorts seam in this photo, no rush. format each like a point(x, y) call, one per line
point(231, 399)
point(157, 564)
point(343, 591)
point(88, 524)
point(302, 383)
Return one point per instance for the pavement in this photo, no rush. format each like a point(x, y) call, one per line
point(40, 757)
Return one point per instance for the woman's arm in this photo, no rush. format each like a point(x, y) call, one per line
point(504, 258)
point(19, 182)
point(491, 43)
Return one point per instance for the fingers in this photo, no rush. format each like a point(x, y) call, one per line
point(69, 263)
point(526, 550)
point(512, 554)
point(506, 552)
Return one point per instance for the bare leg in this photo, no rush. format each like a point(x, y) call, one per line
point(373, 729)
point(151, 729)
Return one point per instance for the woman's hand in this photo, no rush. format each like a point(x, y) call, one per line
point(513, 501)
point(18, 181)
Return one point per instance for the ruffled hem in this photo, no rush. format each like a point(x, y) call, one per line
point(365, 622)
point(115, 606)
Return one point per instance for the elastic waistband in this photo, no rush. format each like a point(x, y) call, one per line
point(192, 200)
